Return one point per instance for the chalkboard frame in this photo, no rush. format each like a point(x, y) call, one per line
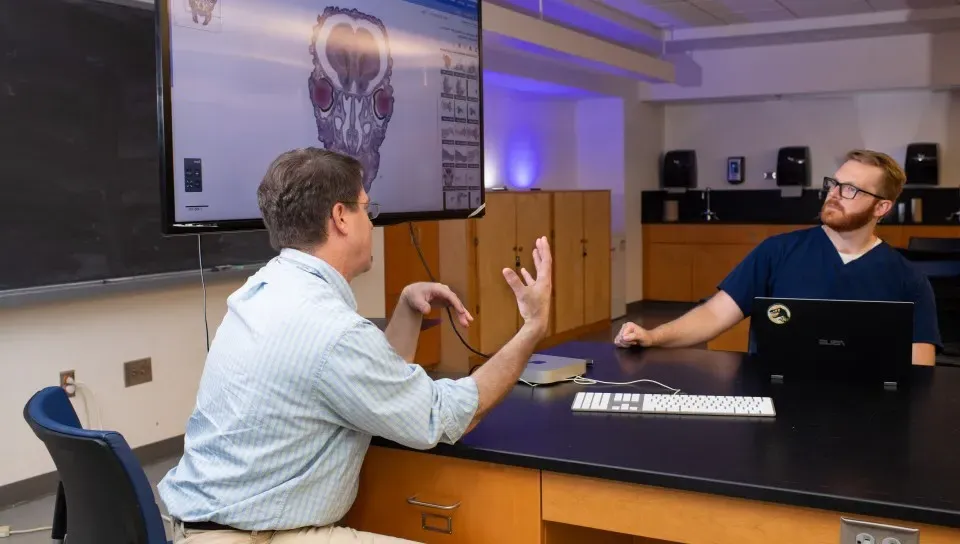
point(171, 227)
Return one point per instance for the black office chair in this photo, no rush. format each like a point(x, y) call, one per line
point(104, 496)
point(934, 245)
point(942, 268)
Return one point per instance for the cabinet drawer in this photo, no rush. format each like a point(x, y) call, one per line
point(429, 498)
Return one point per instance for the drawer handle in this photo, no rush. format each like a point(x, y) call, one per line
point(413, 500)
point(447, 528)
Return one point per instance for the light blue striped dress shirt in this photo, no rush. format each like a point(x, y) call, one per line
point(295, 384)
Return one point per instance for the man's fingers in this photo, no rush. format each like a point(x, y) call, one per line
point(453, 299)
point(543, 247)
point(513, 280)
point(526, 276)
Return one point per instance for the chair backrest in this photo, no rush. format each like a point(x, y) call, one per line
point(937, 245)
point(107, 496)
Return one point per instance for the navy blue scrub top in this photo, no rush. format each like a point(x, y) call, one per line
point(806, 264)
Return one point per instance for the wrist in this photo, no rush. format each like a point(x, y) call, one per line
point(404, 296)
point(656, 336)
point(536, 328)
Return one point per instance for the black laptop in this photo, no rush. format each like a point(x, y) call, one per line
point(866, 342)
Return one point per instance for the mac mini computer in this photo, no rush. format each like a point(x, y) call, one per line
point(546, 369)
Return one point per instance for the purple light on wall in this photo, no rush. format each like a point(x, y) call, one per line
point(522, 160)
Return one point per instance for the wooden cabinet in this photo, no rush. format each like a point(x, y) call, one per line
point(496, 246)
point(434, 499)
point(578, 226)
point(567, 245)
point(403, 267)
point(581, 249)
point(669, 274)
point(504, 238)
point(534, 219)
point(476, 251)
point(596, 256)
point(470, 255)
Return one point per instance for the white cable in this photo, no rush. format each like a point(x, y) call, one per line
point(96, 403)
point(580, 380)
point(5, 531)
point(70, 386)
point(168, 519)
point(82, 388)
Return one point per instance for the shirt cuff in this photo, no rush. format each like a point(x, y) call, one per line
point(459, 400)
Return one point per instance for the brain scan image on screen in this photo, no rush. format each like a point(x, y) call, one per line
point(202, 9)
point(350, 85)
point(376, 80)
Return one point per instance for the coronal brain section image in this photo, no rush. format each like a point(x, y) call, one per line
point(202, 9)
point(350, 85)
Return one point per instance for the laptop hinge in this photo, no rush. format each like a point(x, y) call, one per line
point(890, 386)
point(776, 378)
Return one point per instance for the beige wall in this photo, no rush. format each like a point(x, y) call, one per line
point(529, 138)
point(643, 143)
point(830, 125)
point(95, 336)
point(913, 61)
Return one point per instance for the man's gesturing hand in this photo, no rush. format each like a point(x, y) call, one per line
point(422, 296)
point(533, 294)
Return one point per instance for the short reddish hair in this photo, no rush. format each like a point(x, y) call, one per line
point(891, 184)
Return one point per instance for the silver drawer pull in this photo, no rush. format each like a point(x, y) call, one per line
point(446, 528)
point(413, 500)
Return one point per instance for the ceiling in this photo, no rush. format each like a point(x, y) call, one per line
point(671, 14)
point(658, 27)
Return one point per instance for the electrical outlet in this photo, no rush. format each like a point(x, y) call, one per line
point(865, 532)
point(63, 381)
point(137, 372)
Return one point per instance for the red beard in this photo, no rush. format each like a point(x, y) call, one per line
point(833, 216)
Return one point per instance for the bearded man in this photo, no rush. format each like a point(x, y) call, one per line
point(841, 259)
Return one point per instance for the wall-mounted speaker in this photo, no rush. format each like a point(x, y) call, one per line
point(679, 169)
point(793, 167)
point(922, 164)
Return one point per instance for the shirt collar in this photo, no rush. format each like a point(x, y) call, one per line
point(321, 269)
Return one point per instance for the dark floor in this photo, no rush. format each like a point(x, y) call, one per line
point(37, 514)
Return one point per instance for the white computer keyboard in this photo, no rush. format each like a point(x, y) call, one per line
point(704, 405)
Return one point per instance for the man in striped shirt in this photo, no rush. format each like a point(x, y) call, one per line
point(297, 382)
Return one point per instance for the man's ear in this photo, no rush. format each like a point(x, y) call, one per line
point(338, 217)
point(883, 208)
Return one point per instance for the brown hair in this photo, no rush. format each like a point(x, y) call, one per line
point(891, 184)
point(299, 190)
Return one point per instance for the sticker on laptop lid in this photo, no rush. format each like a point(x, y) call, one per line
point(778, 313)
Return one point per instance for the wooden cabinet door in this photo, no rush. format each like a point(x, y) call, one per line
point(596, 264)
point(568, 260)
point(712, 263)
point(735, 339)
point(534, 218)
point(494, 503)
point(403, 266)
point(496, 243)
point(668, 272)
